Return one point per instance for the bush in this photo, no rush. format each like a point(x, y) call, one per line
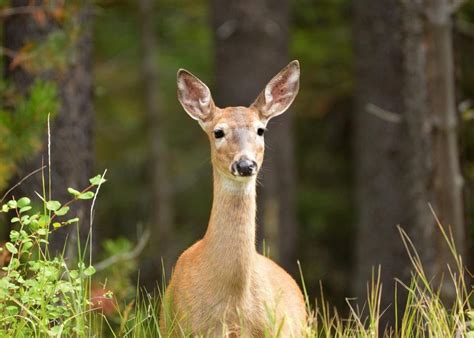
point(40, 294)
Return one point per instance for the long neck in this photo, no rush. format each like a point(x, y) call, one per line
point(230, 238)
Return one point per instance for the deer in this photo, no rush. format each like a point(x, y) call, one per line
point(221, 286)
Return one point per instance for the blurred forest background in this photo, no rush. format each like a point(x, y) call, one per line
point(382, 127)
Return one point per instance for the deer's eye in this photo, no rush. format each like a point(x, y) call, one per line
point(219, 133)
point(260, 131)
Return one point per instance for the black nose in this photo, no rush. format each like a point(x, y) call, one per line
point(245, 167)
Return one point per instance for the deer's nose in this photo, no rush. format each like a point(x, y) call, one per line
point(244, 167)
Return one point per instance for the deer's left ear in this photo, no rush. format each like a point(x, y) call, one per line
point(279, 92)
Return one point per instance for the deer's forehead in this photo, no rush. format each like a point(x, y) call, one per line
point(237, 117)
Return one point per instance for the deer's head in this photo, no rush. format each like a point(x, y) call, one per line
point(236, 134)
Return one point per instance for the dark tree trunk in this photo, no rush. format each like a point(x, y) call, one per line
point(161, 209)
point(397, 146)
point(72, 151)
point(448, 180)
point(251, 44)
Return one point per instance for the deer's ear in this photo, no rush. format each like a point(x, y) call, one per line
point(194, 96)
point(279, 92)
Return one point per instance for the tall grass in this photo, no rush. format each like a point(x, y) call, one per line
point(42, 295)
point(425, 314)
point(60, 302)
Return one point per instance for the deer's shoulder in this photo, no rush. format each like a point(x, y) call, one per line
point(190, 257)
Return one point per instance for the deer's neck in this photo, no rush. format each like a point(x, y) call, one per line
point(230, 238)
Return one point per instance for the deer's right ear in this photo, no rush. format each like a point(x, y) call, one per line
point(194, 96)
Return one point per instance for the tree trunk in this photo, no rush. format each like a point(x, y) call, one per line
point(251, 44)
point(72, 151)
point(448, 180)
point(397, 146)
point(161, 215)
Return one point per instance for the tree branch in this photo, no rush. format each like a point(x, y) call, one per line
point(22, 10)
point(125, 256)
point(21, 181)
point(383, 114)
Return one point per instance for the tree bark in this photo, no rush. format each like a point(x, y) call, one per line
point(251, 42)
point(72, 151)
point(448, 180)
point(251, 46)
point(161, 208)
point(401, 158)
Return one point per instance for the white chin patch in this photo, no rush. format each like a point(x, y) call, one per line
point(239, 184)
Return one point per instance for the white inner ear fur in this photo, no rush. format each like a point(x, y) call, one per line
point(290, 84)
point(204, 101)
point(198, 106)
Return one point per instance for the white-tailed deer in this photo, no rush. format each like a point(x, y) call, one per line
point(221, 286)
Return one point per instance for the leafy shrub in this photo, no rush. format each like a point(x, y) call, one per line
point(40, 294)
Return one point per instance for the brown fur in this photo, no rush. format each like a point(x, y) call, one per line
point(221, 286)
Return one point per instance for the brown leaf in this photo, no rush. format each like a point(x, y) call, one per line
point(39, 16)
point(58, 13)
point(21, 56)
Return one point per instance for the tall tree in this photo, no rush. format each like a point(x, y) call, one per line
point(251, 45)
point(161, 214)
point(405, 139)
point(447, 180)
point(72, 150)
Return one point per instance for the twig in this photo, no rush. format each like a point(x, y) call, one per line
point(8, 52)
point(22, 10)
point(21, 181)
point(91, 219)
point(383, 114)
point(125, 256)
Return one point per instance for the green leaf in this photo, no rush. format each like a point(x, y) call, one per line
point(12, 204)
point(14, 235)
point(55, 330)
point(73, 192)
point(53, 205)
point(12, 310)
point(25, 209)
point(14, 263)
point(43, 221)
point(63, 211)
point(86, 195)
point(26, 246)
point(23, 202)
point(72, 220)
point(10, 247)
point(89, 271)
point(42, 232)
point(57, 225)
point(97, 180)
point(5, 208)
point(15, 220)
